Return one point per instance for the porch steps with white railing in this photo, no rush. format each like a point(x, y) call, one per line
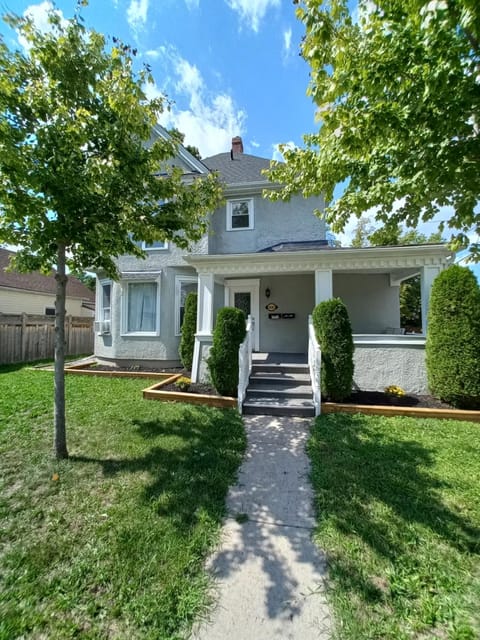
point(279, 388)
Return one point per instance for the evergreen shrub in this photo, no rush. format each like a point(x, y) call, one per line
point(453, 338)
point(228, 335)
point(189, 327)
point(334, 334)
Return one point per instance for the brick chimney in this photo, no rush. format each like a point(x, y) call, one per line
point(237, 145)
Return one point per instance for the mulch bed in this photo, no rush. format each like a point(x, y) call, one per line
point(381, 398)
point(358, 397)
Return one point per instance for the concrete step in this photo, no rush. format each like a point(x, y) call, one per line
point(280, 368)
point(278, 407)
point(275, 390)
point(274, 378)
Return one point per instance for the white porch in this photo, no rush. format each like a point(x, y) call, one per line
point(281, 290)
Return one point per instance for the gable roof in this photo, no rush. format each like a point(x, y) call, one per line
point(238, 168)
point(36, 281)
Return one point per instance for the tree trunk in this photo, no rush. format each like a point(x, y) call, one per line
point(60, 437)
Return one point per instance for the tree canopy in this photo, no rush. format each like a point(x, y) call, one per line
point(396, 85)
point(82, 174)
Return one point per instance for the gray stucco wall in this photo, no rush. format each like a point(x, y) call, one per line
point(292, 294)
point(373, 305)
point(378, 366)
point(274, 222)
point(163, 347)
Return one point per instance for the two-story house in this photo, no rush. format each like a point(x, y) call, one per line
point(271, 259)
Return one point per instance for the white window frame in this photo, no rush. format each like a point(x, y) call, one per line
point(179, 280)
point(251, 216)
point(139, 279)
point(100, 310)
point(147, 247)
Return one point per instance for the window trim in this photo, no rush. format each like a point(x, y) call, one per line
point(251, 214)
point(99, 308)
point(145, 246)
point(139, 280)
point(179, 279)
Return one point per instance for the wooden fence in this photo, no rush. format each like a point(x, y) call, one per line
point(25, 338)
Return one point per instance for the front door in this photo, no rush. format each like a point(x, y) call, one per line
point(244, 295)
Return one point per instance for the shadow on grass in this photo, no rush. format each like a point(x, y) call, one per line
point(191, 461)
point(356, 468)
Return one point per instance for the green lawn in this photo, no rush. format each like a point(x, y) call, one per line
point(398, 503)
point(114, 547)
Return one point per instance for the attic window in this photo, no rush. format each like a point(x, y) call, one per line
point(240, 214)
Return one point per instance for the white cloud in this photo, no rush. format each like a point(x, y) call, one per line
point(39, 14)
point(287, 42)
point(137, 14)
point(192, 4)
point(252, 11)
point(277, 154)
point(254, 144)
point(209, 120)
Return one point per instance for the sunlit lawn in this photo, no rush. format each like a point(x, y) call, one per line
point(398, 502)
point(111, 543)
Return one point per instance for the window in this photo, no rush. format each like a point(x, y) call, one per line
point(105, 301)
point(50, 311)
point(141, 303)
point(183, 286)
point(240, 214)
point(156, 245)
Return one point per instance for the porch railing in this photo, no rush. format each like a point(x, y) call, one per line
point(245, 361)
point(314, 364)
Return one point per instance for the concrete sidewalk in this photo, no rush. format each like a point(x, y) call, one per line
point(270, 577)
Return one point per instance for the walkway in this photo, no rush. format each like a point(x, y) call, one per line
point(270, 576)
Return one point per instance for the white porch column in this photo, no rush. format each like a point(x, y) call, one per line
point(323, 285)
point(203, 336)
point(427, 276)
point(205, 303)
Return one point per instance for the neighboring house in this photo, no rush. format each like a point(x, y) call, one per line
point(34, 293)
point(271, 259)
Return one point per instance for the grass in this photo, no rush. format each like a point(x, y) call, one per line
point(398, 504)
point(110, 543)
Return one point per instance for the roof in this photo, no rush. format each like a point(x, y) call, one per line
point(238, 168)
point(36, 281)
point(302, 245)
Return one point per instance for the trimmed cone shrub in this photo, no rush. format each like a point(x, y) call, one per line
point(334, 334)
point(189, 326)
point(453, 338)
point(228, 335)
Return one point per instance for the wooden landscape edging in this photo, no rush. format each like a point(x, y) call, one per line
point(420, 412)
point(155, 393)
point(80, 369)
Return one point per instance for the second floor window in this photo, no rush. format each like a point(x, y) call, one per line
point(240, 214)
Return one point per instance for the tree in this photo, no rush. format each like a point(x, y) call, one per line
point(180, 138)
point(334, 334)
point(453, 339)
point(86, 278)
point(189, 328)
point(228, 335)
point(398, 101)
point(78, 182)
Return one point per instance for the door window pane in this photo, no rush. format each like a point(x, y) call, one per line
point(242, 301)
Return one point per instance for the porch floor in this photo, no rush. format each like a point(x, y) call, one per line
point(279, 358)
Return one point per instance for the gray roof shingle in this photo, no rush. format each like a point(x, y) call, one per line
point(239, 169)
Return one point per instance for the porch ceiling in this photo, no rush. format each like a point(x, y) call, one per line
point(399, 261)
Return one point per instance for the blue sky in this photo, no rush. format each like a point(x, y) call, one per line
point(232, 67)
